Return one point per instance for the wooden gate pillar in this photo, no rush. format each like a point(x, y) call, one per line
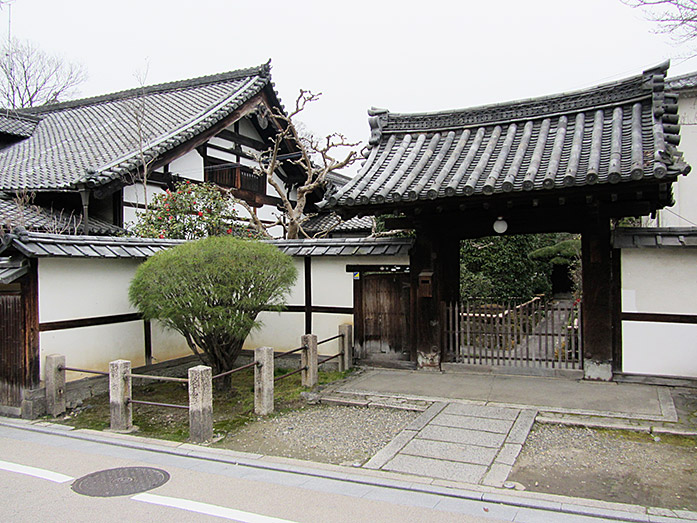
point(434, 269)
point(597, 306)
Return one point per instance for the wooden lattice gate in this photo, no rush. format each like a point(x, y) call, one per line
point(536, 334)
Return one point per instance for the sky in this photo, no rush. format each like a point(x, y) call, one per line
point(404, 56)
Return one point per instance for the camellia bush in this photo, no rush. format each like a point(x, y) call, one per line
point(211, 292)
point(190, 211)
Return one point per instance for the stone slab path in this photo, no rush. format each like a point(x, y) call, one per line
point(459, 442)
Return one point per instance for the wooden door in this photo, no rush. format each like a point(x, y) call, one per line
point(383, 334)
point(12, 338)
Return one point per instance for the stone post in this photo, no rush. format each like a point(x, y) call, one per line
point(54, 375)
point(308, 358)
point(346, 346)
point(200, 404)
point(263, 381)
point(120, 396)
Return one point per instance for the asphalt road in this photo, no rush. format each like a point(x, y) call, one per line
point(37, 470)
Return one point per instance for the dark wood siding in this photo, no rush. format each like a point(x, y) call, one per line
point(12, 337)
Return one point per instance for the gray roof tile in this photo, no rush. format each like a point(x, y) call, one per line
point(655, 237)
point(37, 218)
point(17, 124)
point(35, 244)
point(551, 143)
point(331, 222)
point(94, 141)
point(345, 246)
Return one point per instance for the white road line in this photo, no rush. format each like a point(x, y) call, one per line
point(33, 471)
point(206, 508)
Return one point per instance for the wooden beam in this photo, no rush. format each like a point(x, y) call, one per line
point(241, 139)
point(399, 223)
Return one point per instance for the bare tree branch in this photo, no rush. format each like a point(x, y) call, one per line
point(316, 159)
point(30, 77)
point(677, 18)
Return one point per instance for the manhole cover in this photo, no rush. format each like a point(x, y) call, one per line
point(120, 482)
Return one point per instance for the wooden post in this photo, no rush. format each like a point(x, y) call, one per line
point(433, 259)
point(308, 360)
point(263, 381)
point(147, 338)
point(54, 373)
point(346, 346)
point(120, 396)
point(596, 308)
point(200, 404)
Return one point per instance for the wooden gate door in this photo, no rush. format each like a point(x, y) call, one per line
point(11, 348)
point(383, 334)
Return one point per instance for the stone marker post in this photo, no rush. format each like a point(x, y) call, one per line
point(200, 404)
point(308, 360)
point(120, 395)
point(346, 346)
point(54, 375)
point(263, 381)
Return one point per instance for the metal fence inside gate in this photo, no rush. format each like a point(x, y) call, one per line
point(537, 333)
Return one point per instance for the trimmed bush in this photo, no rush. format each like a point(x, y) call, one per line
point(211, 292)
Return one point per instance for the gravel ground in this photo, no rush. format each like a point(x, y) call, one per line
point(324, 433)
point(620, 466)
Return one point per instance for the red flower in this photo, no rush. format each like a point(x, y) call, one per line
point(200, 213)
point(229, 231)
point(162, 235)
point(187, 181)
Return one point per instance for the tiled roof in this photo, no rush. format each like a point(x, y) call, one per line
point(17, 124)
point(38, 218)
point(614, 133)
point(685, 81)
point(331, 222)
point(655, 237)
point(11, 268)
point(39, 245)
point(94, 141)
point(345, 246)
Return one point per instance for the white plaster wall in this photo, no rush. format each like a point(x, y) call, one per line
point(661, 349)
point(222, 155)
point(297, 292)
point(189, 166)
point(136, 194)
point(280, 330)
point(659, 281)
point(71, 288)
point(247, 129)
point(78, 288)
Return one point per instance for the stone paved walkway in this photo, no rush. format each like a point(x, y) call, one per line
point(459, 442)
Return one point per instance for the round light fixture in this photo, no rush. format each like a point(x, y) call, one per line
point(500, 225)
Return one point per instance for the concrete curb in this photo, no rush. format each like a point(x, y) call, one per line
point(523, 499)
